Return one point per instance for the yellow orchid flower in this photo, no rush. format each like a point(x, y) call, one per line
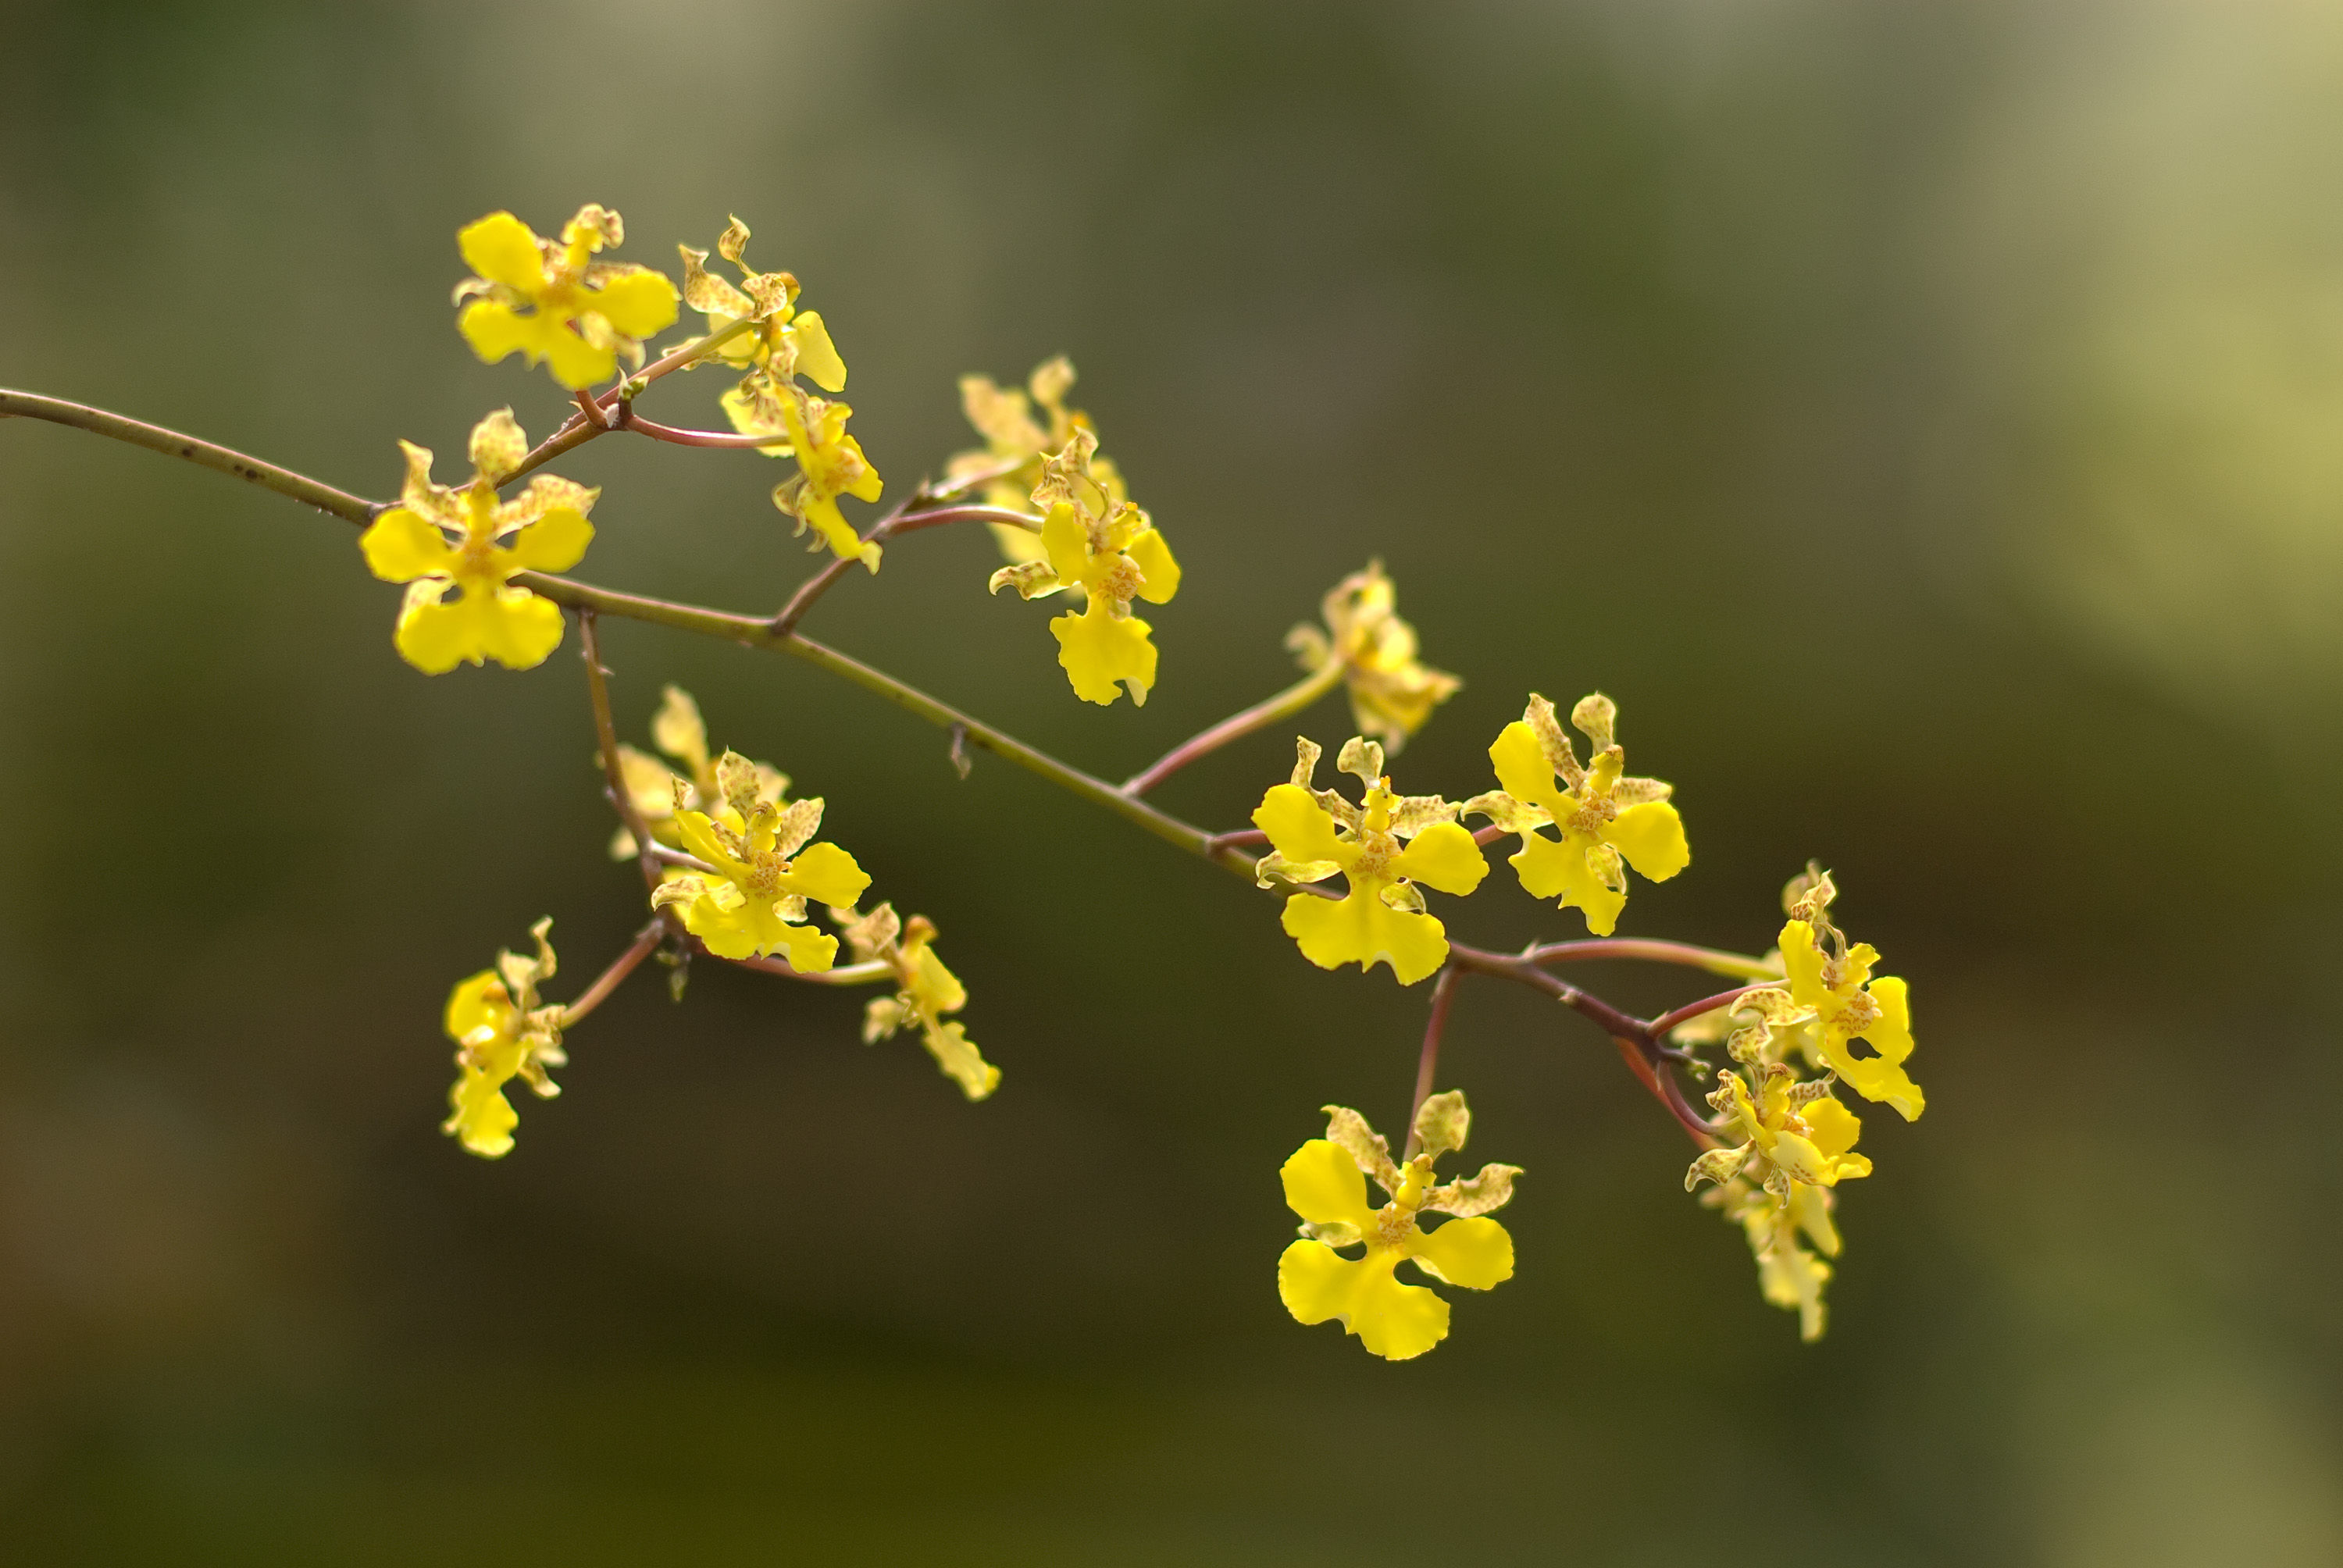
point(503, 1032)
point(555, 303)
point(1109, 548)
point(1393, 692)
point(544, 529)
point(655, 790)
point(1795, 1147)
point(798, 340)
point(1788, 1275)
point(1325, 1183)
point(1016, 441)
point(1850, 1005)
point(1603, 816)
point(830, 463)
point(1316, 833)
point(1793, 1134)
point(927, 992)
point(755, 902)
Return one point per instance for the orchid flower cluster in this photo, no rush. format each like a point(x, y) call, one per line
point(733, 867)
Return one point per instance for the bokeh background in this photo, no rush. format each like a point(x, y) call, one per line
point(1927, 421)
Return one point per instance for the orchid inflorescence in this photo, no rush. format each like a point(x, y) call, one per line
point(733, 868)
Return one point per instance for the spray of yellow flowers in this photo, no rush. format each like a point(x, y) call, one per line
point(731, 869)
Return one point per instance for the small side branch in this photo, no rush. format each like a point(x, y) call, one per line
point(646, 943)
point(1713, 959)
point(626, 418)
point(847, 974)
point(904, 519)
point(1692, 1009)
point(606, 741)
point(1427, 1064)
point(1260, 715)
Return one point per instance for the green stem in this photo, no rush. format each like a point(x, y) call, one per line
point(204, 454)
point(754, 632)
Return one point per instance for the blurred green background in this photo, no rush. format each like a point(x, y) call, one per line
point(1926, 421)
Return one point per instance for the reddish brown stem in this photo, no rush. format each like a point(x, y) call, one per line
point(852, 974)
point(903, 519)
point(1284, 705)
point(646, 943)
point(1665, 1088)
point(583, 427)
point(1427, 1064)
point(1655, 1077)
point(1692, 1009)
point(1712, 959)
point(1512, 966)
point(630, 420)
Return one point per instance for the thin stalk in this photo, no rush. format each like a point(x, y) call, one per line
point(606, 741)
point(1664, 1087)
point(936, 516)
point(204, 454)
point(1284, 705)
point(1512, 966)
point(850, 974)
point(1692, 1009)
point(682, 358)
point(646, 943)
point(1427, 1064)
point(944, 489)
point(667, 857)
point(902, 520)
point(630, 420)
point(1713, 959)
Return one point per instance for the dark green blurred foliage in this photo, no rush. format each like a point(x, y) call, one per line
point(1922, 419)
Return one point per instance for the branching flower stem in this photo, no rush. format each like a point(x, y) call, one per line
point(1640, 1042)
point(612, 407)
